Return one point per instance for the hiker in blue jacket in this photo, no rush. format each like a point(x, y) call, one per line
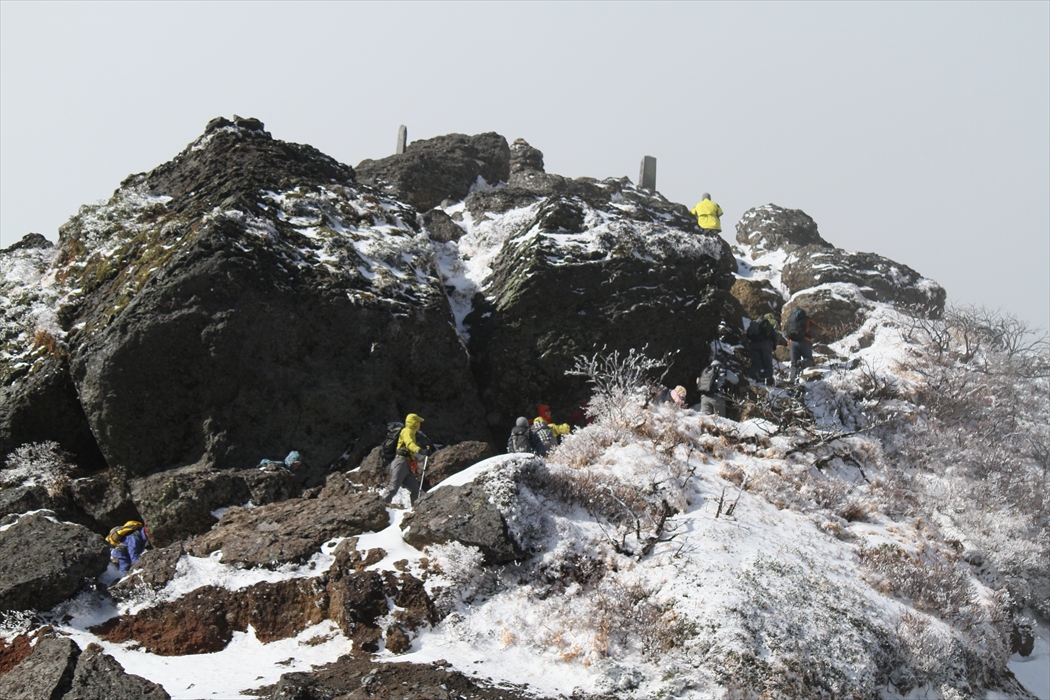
point(128, 542)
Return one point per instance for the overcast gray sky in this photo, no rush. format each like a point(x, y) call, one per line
point(917, 131)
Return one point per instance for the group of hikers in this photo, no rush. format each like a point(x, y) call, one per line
point(407, 449)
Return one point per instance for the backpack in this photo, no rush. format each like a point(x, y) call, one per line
point(116, 535)
point(519, 440)
point(758, 331)
point(795, 328)
point(542, 438)
point(711, 379)
point(388, 449)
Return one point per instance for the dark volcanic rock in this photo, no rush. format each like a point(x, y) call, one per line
point(236, 318)
point(757, 297)
point(465, 514)
point(104, 500)
point(374, 472)
point(204, 620)
point(99, 676)
point(878, 278)
point(839, 312)
point(45, 675)
point(43, 563)
point(30, 240)
point(356, 601)
point(152, 572)
point(42, 406)
point(294, 530)
point(454, 459)
point(771, 227)
point(445, 167)
point(636, 283)
point(178, 503)
point(440, 226)
point(358, 678)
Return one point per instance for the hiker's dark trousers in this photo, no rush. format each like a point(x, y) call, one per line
point(801, 356)
point(401, 475)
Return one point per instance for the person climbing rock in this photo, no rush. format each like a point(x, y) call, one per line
point(127, 542)
point(707, 215)
point(711, 384)
point(404, 467)
point(798, 328)
point(520, 437)
point(762, 341)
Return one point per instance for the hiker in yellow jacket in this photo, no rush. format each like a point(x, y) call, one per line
point(403, 469)
point(707, 213)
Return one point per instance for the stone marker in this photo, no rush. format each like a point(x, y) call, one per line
point(647, 174)
point(402, 139)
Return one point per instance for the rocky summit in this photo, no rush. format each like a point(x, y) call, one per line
point(251, 297)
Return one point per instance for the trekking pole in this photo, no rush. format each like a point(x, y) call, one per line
point(426, 458)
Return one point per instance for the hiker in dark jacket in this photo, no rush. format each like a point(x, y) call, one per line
point(762, 341)
point(404, 467)
point(711, 384)
point(799, 330)
point(520, 437)
point(674, 396)
point(542, 437)
point(127, 542)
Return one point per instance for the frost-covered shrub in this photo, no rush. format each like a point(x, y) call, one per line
point(622, 384)
point(930, 582)
point(38, 464)
point(457, 574)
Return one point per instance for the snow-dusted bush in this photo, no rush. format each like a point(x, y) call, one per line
point(39, 463)
point(457, 574)
point(622, 384)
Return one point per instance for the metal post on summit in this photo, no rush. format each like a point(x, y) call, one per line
point(402, 139)
point(647, 174)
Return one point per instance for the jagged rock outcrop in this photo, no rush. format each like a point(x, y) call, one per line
point(464, 514)
point(757, 297)
point(56, 669)
point(254, 299)
point(43, 562)
point(772, 227)
point(179, 503)
point(877, 278)
point(836, 287)
point(445, 167)
point(587, 264)
point(292, 531)
point(38, 400)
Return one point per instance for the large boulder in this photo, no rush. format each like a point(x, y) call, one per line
point(454, 459)
point(877, 278)
point(152, 572)
point(43, 562)
point(757, 297)
point(45, 674)
point(180, 503)
point(586, 265)
point(445, 167)
point(292, 531)
point(465, 514)
point(771, 228)
point(249, 298)
point(58, 670)
point(99, 676)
